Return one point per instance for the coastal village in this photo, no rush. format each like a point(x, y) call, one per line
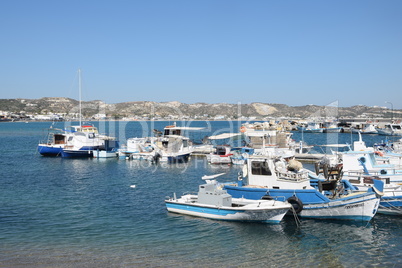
point(66, 109)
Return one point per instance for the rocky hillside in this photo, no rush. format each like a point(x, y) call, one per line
point(204, 110)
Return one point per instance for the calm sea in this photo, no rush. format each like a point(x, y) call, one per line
point(58, 212)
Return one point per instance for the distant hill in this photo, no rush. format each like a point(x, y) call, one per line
point(163, 109)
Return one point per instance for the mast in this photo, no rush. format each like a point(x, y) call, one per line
point(79, 88)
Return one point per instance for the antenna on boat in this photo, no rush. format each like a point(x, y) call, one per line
point(79, 88)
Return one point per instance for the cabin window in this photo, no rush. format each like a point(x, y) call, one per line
point(221, 151)
point(185, 143)
point(70, 138)
point(91, 135)
point(59, 139)
point(260, 168)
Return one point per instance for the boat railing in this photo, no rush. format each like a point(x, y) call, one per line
point(382, 172)
point(292, 176)
point(190, 193)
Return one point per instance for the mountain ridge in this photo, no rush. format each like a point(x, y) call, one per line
point(62, 105)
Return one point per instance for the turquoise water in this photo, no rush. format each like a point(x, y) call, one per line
point(58, 212)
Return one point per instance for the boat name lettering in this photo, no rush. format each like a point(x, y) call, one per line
point(353, 206)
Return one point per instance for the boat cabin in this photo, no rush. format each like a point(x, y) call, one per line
point(209, 194)
point(85, 129)
point(174, 144)
point(393, 127)
point(274, 173)
point(222, 150)
point(354, 160)
point(179, 131)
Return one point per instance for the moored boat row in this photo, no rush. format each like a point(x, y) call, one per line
point(358, 191)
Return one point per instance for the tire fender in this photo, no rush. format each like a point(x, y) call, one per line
point(296, 203)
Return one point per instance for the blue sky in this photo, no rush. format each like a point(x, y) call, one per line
point(289, 52)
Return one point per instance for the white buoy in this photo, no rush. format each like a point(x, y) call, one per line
point(132, 186)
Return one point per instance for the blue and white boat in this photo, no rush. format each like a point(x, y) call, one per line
point(54, 144)
point(82, 141)
point(214, 203)
point(362, 166)
point(391, 200)
point(270, 177)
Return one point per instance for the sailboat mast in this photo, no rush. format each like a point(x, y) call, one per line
point(79, 87)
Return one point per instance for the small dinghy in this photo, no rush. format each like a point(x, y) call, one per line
point(215, 203)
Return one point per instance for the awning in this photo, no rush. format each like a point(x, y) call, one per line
point(224, 136)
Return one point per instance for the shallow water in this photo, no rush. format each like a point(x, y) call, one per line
point(83, 213)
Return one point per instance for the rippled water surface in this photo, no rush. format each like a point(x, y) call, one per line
point(58, 212)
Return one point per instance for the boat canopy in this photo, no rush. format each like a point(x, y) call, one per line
point(334, 145)
point(173, 130)
point(224, 136)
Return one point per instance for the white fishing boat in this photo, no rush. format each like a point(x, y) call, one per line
point(318, 198)
point(391, 130)
point(331, 127)
point(221, 155)
point(367, 128)
point(312, 127)
point(174, 149)
point(82, 141)
point(140, 149)
point(214, 203)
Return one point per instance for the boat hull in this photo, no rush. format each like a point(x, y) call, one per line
point(272, 216)
point(364, 132)
point(76, 153)
point(360, 207)
point(50, 150)
point(332, 130)
point(217, 159)
point(390, 133)
point(390, 205)
point(104, 154)
point(171, 159)
point(308, 130)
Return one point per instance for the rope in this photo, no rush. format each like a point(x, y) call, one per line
point(297, 220)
